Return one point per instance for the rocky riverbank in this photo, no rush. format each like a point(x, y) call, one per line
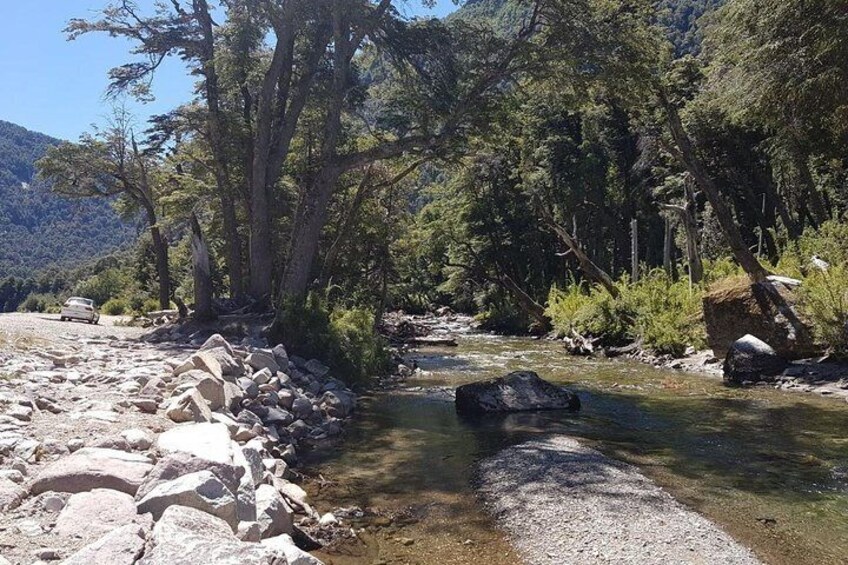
point(561, 502)
point(822, 376)
point(117, 450)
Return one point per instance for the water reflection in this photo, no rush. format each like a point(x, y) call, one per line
point(767, 465)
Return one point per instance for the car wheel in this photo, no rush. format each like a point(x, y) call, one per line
point(61, 318)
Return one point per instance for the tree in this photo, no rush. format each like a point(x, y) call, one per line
point(783, 65)
point(111, 163)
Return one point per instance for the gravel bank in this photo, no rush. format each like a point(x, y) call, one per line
point(563, 503)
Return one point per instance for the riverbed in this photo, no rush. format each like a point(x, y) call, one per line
point(768, 466)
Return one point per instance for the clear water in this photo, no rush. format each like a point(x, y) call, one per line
point(771, 467)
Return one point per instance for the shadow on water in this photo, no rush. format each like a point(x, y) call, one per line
point(769, 466)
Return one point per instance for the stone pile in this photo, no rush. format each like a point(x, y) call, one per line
point(206, 479)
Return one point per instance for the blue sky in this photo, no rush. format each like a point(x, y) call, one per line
point(53, 86)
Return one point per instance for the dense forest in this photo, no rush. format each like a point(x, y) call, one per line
point(590, 167)
point(40, 230)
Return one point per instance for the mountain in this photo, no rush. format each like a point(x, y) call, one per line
point(39, 229)
point(680, 17)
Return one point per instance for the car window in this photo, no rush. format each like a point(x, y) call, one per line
point(79, 302)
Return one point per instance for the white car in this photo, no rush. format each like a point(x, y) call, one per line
point(77, 308)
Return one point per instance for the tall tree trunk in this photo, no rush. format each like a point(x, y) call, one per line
point(811, 198)
point(306, 234)
point(668, 248)
point(215, 133)
point(690, 160)
point(160, 250)
point(201, 273)
point(362, 191)
point(233, 246)
point(527, 303)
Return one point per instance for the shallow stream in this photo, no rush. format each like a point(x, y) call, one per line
point(771, 467)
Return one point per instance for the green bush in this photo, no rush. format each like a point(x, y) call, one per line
point(104, 286)
point(35, 302)
point(345, 339)
point(503, 319)
point(664, 314)
point(824, 301)
point(116, 307)
point(593, 312)
point(668, 315)
point(148, 305)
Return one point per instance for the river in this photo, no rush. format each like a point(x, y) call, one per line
point(770, 467)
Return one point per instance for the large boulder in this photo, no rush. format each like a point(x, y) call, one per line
point(90, 515)
point(190, 406)
point(186, 536)
point(735, 307)
point(94, 467)
point(121, 546)
point(272, 512)
point(516, 392)
point(339, 403)
point(175, 465)
point(204, 440)
point(11, 495)
point(285, 548)
point(751, 360)
point(261, 359)
point(201, 490)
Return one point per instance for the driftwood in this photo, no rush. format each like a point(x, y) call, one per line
point(445, 341)
point(630, 349)
point(577, 344)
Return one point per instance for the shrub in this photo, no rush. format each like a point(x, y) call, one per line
point(824, 301)
point(593, 312)
point(148, 305)
point(668, 315)
point(345, 339)
point(116, 307)
point(103, 286)
point(38, 303)
point(664, 314)
point(503, 319)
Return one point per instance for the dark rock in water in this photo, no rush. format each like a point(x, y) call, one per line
point(750, 359)
point(516, 392)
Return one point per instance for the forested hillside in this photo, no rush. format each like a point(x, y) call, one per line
point(39, 229)
point(591, 167)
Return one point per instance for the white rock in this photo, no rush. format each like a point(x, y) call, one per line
point(190, 406)
point(186, 536)
point(260, 359)
point(205, 440)
point(204, 361)
point(137, 438)
point(285, 548)
point(90, 515)
point(201, 490)
point(122, 546)
point(272, 512)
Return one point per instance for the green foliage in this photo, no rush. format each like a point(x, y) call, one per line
point(116, 307)
point(41, 229)
point(40, 303)
point(824, 300)
point(103, 286)
point(668, 315)
point(502, 317)
point(664, 314)
point(148, 305)
point(343, 338)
